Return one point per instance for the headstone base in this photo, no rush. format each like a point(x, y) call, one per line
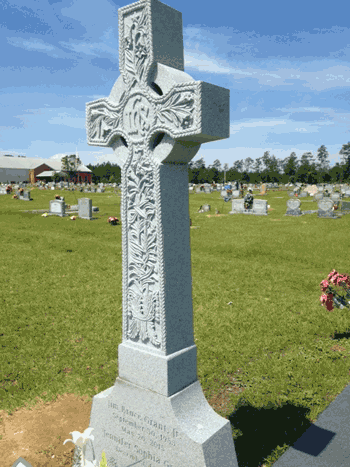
point(135, 426)
point(326, 214)
point(248, 211)
point(56, 214)
point(294, 212)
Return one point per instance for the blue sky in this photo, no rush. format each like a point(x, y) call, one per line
point(286, 65)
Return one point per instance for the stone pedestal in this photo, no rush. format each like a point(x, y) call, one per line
point(141, 427)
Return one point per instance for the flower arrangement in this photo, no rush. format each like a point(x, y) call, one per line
point(80, 440)
point(57, 197)
point(14, 196)
point(113, 220)
point(331, 296)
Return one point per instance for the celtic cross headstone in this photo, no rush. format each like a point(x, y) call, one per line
point(155, 119)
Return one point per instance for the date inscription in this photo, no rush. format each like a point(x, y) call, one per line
point(140, 430)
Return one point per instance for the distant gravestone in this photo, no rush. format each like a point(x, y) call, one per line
point(259, 207)
point(156, 119)
point(85, 208)
point(303, 194)
point(318, 196)
point(293, 207)
point(207, 189)
point(335, 197)
point(57, 208)
point(263, 190)
point(312, 190)
point(24, 196)
point(345, 206)
point(325, 209)
point(235, 194)
point(198, 189)
point(206, 207)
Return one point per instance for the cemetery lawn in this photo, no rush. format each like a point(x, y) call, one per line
point(270, 357)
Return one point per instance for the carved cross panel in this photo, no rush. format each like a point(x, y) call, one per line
point(156, 115)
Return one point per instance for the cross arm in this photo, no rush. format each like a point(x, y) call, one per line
point(103, 122)
point(195, 111)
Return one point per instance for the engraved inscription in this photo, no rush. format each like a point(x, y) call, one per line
point(138, 430)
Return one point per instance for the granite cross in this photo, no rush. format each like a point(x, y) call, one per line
point(155, 119)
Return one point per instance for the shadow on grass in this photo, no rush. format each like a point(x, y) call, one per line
point(264, 430)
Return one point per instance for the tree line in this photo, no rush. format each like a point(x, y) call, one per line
point(265, 169)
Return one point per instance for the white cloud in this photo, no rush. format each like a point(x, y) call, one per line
point(90, 48)
point(64, 118)
point(236, 127)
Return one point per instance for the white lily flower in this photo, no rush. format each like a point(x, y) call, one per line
point(80, 440)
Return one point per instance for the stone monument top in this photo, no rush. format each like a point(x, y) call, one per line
point(155, 119)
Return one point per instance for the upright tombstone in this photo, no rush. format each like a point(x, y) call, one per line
point(156, 119)
point(24, 196)
point(335, 197)
point(325, 209)
point(263, 190)
point(85, 208)
point(318, 197)
point(259, 207)
point(57, 208)
point(345, 206)
point(293, 207)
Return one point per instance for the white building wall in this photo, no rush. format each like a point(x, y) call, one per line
point(13, 175)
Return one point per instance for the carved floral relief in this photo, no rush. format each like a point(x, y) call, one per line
point(143, 279)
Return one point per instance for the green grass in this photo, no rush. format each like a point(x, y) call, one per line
point(61, 311)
